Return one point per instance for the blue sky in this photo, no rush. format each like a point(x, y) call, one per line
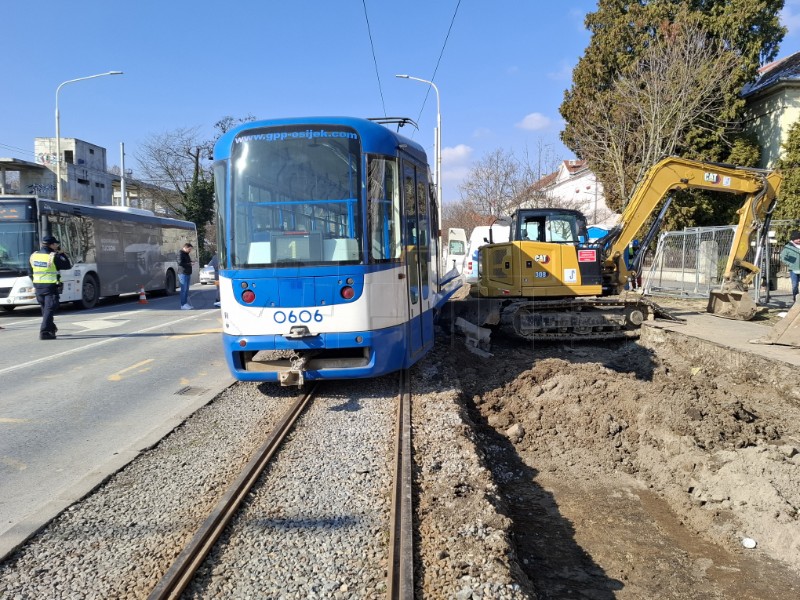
point(187, 63)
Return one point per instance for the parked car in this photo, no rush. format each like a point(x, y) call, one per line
point(208, 274)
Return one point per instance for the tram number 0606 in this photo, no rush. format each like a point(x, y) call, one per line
point(304, 316)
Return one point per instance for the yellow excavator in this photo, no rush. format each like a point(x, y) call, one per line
point(550, 283)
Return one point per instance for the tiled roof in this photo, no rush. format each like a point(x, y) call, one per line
point(572, 167)
point(575, 165)
point(782, 70)
point(544, 181)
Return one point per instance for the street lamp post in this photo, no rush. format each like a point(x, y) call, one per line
point(58, 127)
point(437, 143)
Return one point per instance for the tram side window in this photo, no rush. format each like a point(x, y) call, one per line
point(220, 177)
point(384, 210)
point(423, 224)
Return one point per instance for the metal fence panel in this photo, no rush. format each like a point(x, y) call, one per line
point(688, 263)
point(691, 263)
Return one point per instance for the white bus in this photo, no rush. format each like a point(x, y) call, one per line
point(113, 250)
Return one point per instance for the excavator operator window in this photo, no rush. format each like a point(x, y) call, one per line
point(532, 229)
point(561, 230)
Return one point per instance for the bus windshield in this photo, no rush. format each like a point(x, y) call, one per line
point(18, 237)
point(295, 197)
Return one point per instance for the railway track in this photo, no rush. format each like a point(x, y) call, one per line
point(400, 578)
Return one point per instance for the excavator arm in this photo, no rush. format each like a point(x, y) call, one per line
point(760, 189)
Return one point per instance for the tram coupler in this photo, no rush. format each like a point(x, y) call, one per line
point(294, 375)
point(288, 378)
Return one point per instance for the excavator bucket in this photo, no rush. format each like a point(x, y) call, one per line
point(786, 332)
point(732, 304)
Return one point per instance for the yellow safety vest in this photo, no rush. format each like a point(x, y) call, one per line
point(44, 268)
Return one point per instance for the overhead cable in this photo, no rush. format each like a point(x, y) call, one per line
point(444, 45)
point(374, 59)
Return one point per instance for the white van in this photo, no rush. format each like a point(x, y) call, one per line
point(456, 249)
point(480, 237)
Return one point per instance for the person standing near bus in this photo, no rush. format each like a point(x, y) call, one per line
point(46, 263)
point(185, 274)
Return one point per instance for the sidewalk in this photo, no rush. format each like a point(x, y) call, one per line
point(734, 334)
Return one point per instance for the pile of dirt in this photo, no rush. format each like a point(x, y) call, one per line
point(719, 445)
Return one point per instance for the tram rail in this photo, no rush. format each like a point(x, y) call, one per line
point(189, 560)
point(400, 571)
point(401, 542)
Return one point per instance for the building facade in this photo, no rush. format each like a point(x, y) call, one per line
point(84, 172)
point(85, 177)
point(773, 106)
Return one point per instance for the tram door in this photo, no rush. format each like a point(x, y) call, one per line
point(416, 236)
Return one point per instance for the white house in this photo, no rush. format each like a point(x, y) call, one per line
point(574, 186)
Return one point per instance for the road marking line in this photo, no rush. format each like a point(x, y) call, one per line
point(99, 324)
point(200, 332)
point(117, 338)
point(118, 375)
point(7, 420)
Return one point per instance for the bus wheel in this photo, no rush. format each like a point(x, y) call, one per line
point(169, 283)
point(90, 292)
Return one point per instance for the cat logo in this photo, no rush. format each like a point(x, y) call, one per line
point(542, 258)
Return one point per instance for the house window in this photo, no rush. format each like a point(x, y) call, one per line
point(69, 156)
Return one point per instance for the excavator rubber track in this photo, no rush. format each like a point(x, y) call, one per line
point(581, 319)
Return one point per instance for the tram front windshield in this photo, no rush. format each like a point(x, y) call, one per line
point(295, 197)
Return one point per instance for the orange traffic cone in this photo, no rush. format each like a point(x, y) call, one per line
point(142, 296)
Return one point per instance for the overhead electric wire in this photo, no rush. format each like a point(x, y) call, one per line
point(374, 59)
point(15, 149)
point(439, 60)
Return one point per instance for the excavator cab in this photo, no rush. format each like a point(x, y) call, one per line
point(548, 256)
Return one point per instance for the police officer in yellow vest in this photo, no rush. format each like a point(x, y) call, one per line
point(46, 263)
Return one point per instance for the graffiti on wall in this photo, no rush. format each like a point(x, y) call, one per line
point(46, 158)
point(41, 189)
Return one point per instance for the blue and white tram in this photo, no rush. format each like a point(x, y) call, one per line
point(328, 244)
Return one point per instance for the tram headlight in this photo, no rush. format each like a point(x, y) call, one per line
point(348, 293)
point(248, 296)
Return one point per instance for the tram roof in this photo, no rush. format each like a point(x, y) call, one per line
point(374, 136)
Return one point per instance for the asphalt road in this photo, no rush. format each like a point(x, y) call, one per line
point(76, 409)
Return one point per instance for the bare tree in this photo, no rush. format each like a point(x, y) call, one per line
point(492, 183)
point(463, 215)
point(498, 183)
point(532, 174)
point(170, 162)
point(677, 85)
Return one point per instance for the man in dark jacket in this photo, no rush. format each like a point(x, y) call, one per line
point(46, 263)
point(185, 274)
